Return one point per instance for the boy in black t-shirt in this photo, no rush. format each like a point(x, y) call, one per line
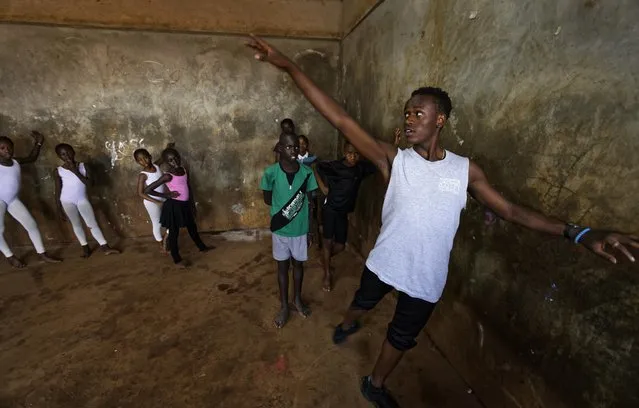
point(339, 180)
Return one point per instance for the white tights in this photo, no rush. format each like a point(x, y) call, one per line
point(154, 210)
point(22, 215)
point(83, 208)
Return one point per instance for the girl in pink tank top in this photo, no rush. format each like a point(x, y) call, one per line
point(180, 185)
point(178, 211)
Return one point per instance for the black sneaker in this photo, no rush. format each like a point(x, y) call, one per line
point(340, 335)
point(380, 397)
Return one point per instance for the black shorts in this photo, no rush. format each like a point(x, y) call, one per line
point(335, 225)
point(411, 314)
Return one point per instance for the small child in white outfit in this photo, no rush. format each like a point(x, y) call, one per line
point(10, 174)
point(71, 191)
point(151, 173)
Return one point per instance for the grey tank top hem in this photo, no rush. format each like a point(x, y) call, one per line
point(398, 286)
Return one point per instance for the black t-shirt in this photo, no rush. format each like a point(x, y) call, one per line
point(343, 182)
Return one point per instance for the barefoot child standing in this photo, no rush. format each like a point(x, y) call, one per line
point(178, 211)
point(287, 187)
point(10, 174)
point(71, 180)
point(340, 180)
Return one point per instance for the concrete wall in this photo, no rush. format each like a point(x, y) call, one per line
point(110, 92)
point(353, 11)
point(545, 96)
point(307, 18)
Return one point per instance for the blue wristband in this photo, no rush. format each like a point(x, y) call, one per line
point(581, 235)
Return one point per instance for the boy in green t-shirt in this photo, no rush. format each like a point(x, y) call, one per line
point(287, 187)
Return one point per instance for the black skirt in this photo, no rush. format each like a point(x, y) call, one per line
point(176, 214)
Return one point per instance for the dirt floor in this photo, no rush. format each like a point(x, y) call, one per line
point(132, 331)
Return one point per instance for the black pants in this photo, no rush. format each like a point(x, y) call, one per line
point(335, 225)
point(174, 233)
point(411, 314)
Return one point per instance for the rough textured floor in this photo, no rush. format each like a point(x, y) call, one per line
point(132, 331)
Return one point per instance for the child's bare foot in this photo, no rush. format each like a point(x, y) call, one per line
point(108, 250)
point(304, 310)
point(44, 257)
point(182, 264)
point(281, 318)
point(15, 262)
point(207, 248)
point(86, 251)
point(328, 285)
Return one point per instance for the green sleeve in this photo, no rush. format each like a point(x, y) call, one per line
point(266, 183)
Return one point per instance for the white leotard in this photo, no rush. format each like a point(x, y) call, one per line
point(152, 178)
point(9, 182)
point(73, 189)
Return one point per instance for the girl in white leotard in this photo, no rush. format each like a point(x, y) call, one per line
point(71, 192)
point(150, 173)
point(9, 202)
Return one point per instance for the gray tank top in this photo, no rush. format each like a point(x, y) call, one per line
point(419, 220)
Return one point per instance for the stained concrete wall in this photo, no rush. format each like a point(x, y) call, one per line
point(545, 96)
point(110, 92)
point(307, 18)
point(353, 11)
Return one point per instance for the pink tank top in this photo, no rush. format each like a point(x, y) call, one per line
point(179, 184)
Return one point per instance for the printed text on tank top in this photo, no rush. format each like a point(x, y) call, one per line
point(9, 181)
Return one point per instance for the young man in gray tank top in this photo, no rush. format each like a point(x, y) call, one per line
point(427, 188)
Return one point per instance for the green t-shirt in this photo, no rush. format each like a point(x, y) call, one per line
point(275, 180)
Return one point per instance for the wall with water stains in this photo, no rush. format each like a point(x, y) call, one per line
point(545, 101)
point(109, 92)
point(353, 11)
point(305, 18)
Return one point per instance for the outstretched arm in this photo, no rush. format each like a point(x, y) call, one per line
point(380, 153)
point(38, 139)
point(597, 241)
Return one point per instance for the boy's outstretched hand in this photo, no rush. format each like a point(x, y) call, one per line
point(603, 243)
point(267, 53)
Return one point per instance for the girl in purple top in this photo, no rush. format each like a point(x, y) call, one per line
point(178, 210)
